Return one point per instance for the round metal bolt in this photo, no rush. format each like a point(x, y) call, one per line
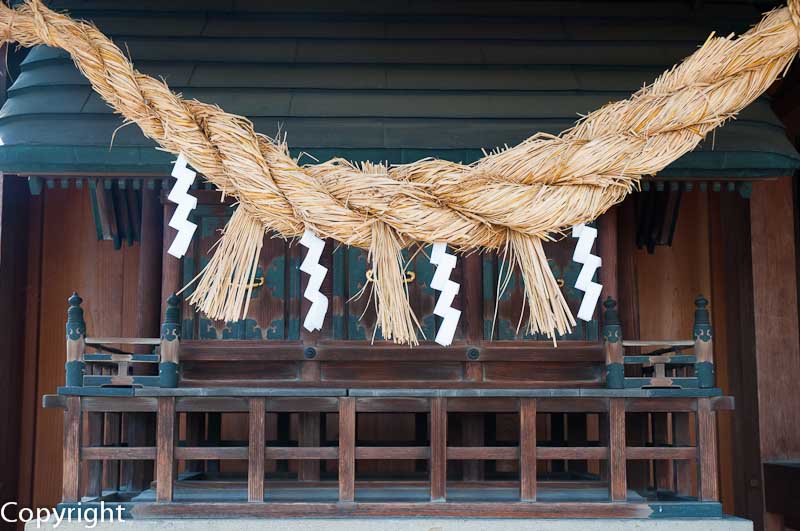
point(473, 353)
point(310, 353)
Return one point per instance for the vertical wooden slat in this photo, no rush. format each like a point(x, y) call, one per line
point(71, 486)
point(165, 448)
point(707, 449)
point(308, 470)
point(472, 434)
point(256, 449)
point(213, 438)
point(616, 450)
point(347, 448)
point(438, 448)
point(195, 431)
point(683, 470)
point(94, 480)
point(527, 449)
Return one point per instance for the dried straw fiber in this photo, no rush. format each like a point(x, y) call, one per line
point(510, 200)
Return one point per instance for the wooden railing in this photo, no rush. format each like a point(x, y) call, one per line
point(169, 404)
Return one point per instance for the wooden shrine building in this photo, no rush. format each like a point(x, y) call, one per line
point(637, 413)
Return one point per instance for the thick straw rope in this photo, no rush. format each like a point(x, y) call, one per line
point(510, 200)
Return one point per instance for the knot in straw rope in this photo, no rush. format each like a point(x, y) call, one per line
point(510, 200)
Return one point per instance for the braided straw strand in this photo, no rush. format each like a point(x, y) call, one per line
point(511, 200)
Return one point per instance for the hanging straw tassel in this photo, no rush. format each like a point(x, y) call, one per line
point(225, 284)
point(395, 316)
point(549, 313)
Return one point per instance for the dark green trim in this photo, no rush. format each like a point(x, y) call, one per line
point(168, 374)
point(145, 160)
point(615, 376)
point(704, 372)
point(75, 373)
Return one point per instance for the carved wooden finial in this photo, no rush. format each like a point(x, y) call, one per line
point(76, 326)
point(610, 315)
point(171, 327)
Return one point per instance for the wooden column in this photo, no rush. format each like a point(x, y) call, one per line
point(473, 425)
point(777, 352)
point(71, 480)
point(616, 450)
point(734, 340)
point(347, 448)
point(140, 427)
point(15, 202)
point(256, 450)
point(165, 448)
point(527, 449)
point(607, 245)
point(438, 449)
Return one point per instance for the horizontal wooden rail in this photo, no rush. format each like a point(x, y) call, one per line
point(302, 453)
point(203, 453)
point(109, 453)
point(393, 452)
point(122, 341)
point(665, 452)
point(482, 452)
point(572, 452)
point(657, 343)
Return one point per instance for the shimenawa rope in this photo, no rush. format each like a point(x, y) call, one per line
point(511, 200)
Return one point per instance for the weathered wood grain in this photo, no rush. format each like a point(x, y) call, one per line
point(347, 443)
point(527, 449)
point(255, 447)
point(165, 444)
point(438, 448)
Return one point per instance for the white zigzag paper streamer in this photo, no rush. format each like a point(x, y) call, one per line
point(319, 302)
point(583, 255)
point(445, 263)
point(186, 203)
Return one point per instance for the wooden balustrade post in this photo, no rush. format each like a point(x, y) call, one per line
point(616, 449)
point(527, 449)
point(256, 449)
point(170, 344)
point(71, 480)
point(347, 448)
point(612, 346)
point(438, 449)
point(166, 433)
point(703, 344)
point(76, 342)
point(707, 450)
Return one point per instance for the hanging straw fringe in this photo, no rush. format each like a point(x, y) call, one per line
point(548, 310)
point(544, 185)
point(226, 283)
point(395, 316)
